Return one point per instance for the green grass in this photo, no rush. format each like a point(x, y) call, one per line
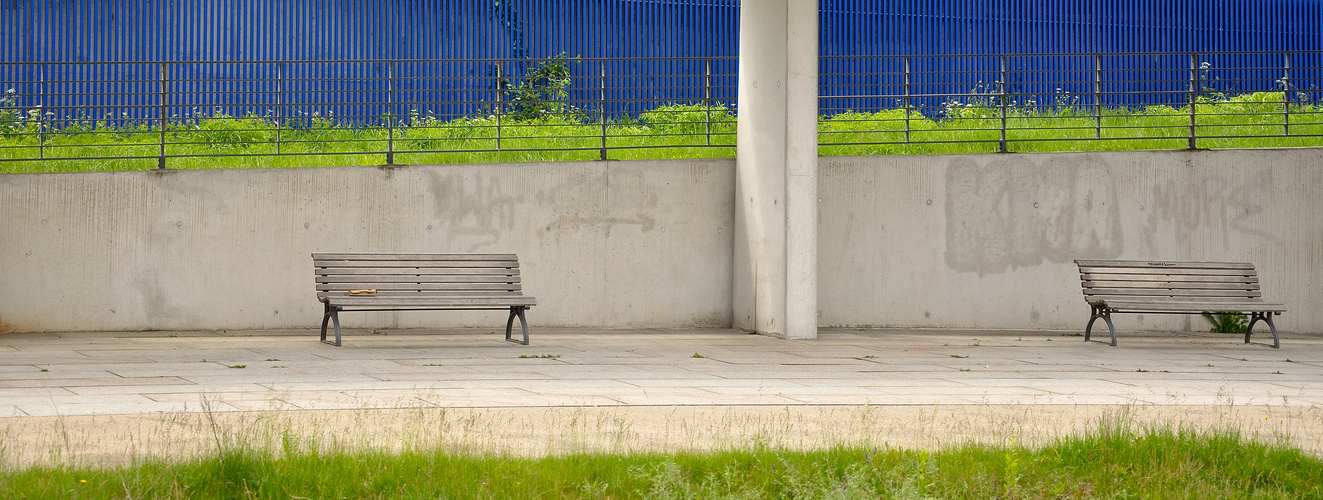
point(1113, 463)
point(677, 131)
point(1249, 121)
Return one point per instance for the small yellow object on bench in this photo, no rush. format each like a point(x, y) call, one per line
point(361, 293)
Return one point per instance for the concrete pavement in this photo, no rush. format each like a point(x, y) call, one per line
point(142, 372)
point(89, 381)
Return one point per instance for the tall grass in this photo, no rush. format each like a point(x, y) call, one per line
point(1115, 462)
point(674, 131)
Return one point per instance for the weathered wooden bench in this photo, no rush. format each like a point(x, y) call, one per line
point(1162, 287)
point(417, 282)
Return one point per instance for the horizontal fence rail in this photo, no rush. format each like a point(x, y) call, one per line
point(1064, 102)
point(193, 115)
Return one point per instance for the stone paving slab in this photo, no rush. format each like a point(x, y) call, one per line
point(146, 372)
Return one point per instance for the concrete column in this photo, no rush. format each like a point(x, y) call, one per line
point(776, 165)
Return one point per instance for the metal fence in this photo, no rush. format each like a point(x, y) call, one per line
point(407, 111)
point(376, 110)
point(1040, 102)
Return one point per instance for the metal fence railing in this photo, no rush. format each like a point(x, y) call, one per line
point(1053, 102)
point(202, 114)
point(178, 115)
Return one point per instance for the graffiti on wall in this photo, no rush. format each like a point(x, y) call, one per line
point(1015, 212)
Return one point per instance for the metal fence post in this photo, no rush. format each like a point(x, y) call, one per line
point(1194, 68)
point(500, 106)
point(906, 99)
point(1286, 97)
point(390, 121)
point(160, 159)
point(41, 107)
point(707, 99)
point(1005, 82)
point(601, 104)
point(280, 101)
point(1097, 96)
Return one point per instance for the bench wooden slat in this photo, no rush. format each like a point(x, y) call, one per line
point(1134, 272)
point(1196, 307)
point(451, 287)
point(1155, 264)
point(330, 291)
point(391, 278)
point(1173, 285)
point(1147, 292)
point(457, 271)
point(492, 302)
point(1167, 278)
point(419, 263)
point(388, 256)
point(327, 294)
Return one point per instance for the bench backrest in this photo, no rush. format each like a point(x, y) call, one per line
point(1131, 280)
point(418, 274)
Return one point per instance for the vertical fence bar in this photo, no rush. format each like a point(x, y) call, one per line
point(601, 104)
point(1286, 96)
point(280, 102)
point(707, 98)
point(41, 103)
point(1005, 82)
point(1097, 96)
point(390, 118)
point(906, 98)
point(160, 159)
point(1194, 75)
point(500, 107)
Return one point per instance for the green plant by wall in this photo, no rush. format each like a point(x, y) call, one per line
point(1225, 322)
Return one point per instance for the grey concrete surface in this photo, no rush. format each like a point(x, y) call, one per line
point(989, 241)
point(66, 374)
point(969, 241)
point(776, 170)
point(231, 249)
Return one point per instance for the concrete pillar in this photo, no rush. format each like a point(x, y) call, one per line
point(776, 168)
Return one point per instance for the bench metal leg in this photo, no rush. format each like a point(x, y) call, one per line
point(1106, 315)
point(326, 317)
point(333, 315)
point(509, 324)
point(1267, 318)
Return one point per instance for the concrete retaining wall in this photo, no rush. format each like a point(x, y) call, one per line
point(601, 244)
point(971, 241)
point(988, 241)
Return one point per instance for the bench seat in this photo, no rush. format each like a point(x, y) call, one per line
point(1170, 287)
point(419, 281)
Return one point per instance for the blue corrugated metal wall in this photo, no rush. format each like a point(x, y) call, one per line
point(238, 34)
point(851, 28)
point(254, 49)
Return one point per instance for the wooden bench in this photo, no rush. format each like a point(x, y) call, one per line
point(417, 282)
point(1153, 287)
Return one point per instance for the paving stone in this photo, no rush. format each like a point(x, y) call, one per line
point(134, 372)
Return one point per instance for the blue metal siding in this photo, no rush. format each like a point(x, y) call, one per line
point(854, 32)
point(241, 51)
point(447, 46)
